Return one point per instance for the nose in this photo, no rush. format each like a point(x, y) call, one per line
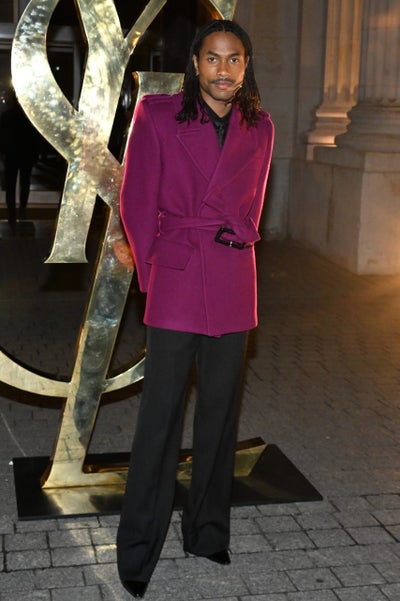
point(223, 68)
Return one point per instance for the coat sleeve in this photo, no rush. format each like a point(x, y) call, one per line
point(140, 190)
point(256, 209)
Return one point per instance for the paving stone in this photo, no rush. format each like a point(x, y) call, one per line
point(22, 596)
point(278, 509)
point(223, 584)
point(361, 593)
point(84, 593)
point(265, 597)
point(384, 501)
point(16, 581)
point(272, 560)
point(392, 591)
point(273, 582)
point(390, 571)
point(172, 549)
point(187, 588)
point(70, 538)
point(6, 524)
point(36, 526)
point(109, 521)
point(388, 517)
point(358, 575)
point(371, 535)
point(246, 511)
point(330, 538)
point(355, 519)
point(353, 555)
point(101, 573)
point(319, 595)
point(325, 506)
point(245, 526)
point(17, 542)
point(317, 521)
point(113, 591)
point(56, 577)
point(251, 543)
point(73, 556)
point(105, 553)
point(289, 540)
point(82, 523)
point(277, 524)
point(312, 579)
point(27, 560)
point(174, 532)
point(103, 536)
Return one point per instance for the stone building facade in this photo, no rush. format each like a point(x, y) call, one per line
point(330, 76)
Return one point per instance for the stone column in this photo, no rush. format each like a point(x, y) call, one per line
point(375, 120)
point(346, 200)
point(341, 76)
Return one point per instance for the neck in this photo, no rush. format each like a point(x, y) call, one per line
point(219, 108)
point(222, 109)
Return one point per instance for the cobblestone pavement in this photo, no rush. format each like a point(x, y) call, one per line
point(322, 383)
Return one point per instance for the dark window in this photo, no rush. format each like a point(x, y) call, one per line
point(6, 11)
point(61, 64)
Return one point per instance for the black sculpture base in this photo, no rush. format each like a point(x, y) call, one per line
point(274, 479)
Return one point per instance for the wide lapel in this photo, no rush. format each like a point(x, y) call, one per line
point(237, 151)
point(201, 144)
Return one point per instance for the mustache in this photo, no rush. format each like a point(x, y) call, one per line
point(224, 80)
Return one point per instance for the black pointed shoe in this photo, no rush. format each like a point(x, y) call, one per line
point(221, 557)
point(135, 587)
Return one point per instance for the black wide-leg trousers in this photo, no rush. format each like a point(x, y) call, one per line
point(151, 482)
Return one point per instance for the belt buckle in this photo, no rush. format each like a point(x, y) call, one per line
point(231, 243)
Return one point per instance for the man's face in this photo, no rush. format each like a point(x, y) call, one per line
point(220, 67)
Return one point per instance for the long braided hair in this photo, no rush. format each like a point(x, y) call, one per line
point(247, 97)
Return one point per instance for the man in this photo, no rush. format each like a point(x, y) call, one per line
point(196, 170)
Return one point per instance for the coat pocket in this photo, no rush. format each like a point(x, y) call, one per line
point(166, 253)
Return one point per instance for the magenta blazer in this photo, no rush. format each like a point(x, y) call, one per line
point(179, 189)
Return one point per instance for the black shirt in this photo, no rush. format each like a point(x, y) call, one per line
point(220, 123)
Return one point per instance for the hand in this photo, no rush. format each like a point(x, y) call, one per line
point(124, 255)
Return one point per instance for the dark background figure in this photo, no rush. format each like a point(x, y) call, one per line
point(19, 146)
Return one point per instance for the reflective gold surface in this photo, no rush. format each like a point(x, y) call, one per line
point(246, 457)
point(226, 8)
point(81, 135)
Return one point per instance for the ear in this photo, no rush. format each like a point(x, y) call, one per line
point(195, 63)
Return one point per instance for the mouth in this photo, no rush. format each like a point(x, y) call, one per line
point(223, 84)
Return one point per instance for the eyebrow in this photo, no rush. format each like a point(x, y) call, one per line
point(217, 54)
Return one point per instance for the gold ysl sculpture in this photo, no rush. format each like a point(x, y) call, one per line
point(81, 136)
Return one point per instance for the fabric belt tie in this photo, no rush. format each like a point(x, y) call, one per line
point(245, 232)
